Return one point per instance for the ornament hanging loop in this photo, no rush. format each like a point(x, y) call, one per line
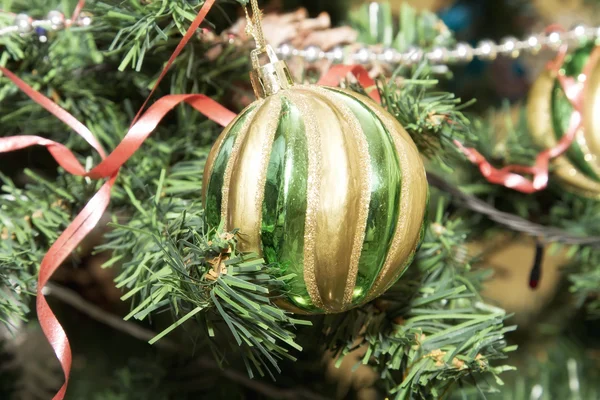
point(275, 75)
point(254, 25)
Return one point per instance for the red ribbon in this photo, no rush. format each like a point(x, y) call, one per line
point(77, 11)
point(89, 217)
point(510, 175)
point(336, 73)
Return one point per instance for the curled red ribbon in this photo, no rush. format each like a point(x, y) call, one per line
point(89, 217)
point(336, 73)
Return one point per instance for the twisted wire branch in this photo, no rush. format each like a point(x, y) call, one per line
point(545, 234)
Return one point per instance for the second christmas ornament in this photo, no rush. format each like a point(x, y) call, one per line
point(549, 110)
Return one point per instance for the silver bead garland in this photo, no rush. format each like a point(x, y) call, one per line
point(461, 53)
point(23, 24)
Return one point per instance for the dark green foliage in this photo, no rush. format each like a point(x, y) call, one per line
point(30, 221)
point(170, 262)
point(77, 70)
point(431, 331)
point(143, 379)
point(432, 118)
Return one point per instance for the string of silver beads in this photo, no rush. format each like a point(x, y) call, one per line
point(461, 53)
point(55, 20)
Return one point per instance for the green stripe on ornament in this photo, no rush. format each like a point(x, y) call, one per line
point(214, 193)
point(384, 206)
point(562, 109)
point(284, 205)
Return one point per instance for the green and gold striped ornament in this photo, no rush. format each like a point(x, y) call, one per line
point(549, 113)
point(323, 183)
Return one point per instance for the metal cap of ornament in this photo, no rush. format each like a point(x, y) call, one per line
point(270, 78)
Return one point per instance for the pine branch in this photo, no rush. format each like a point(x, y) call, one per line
point(431, 330)
point(170, 262)
point(585, 284)
point(74, 67)
point(30, 220)
point(432, 118)
point(581, 217)
point(142, 379)
point(148, 25)
point(558, 368)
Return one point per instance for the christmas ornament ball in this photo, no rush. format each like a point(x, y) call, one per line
point(549, 113)
point(324, 183)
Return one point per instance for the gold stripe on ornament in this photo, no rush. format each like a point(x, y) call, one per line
point(593, 193)
point(333, 201)
point(354, 137)
point(313, 144)
point(589, 157)
point(247, 181)
point(574, 179)
point(413, 202)
point(231, 165)
point(539, 114)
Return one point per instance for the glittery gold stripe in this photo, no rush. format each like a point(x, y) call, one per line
point(538, 110)
point(413, 203)
point(353, 136)
point(247, 180)
point(313, 141)
point(575, 179)
point(591, 190)
point(590, 158)
point(231, 165)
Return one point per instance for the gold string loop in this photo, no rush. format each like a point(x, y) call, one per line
point(254, 28)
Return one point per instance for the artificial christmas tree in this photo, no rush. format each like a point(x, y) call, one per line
point(207, 285)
